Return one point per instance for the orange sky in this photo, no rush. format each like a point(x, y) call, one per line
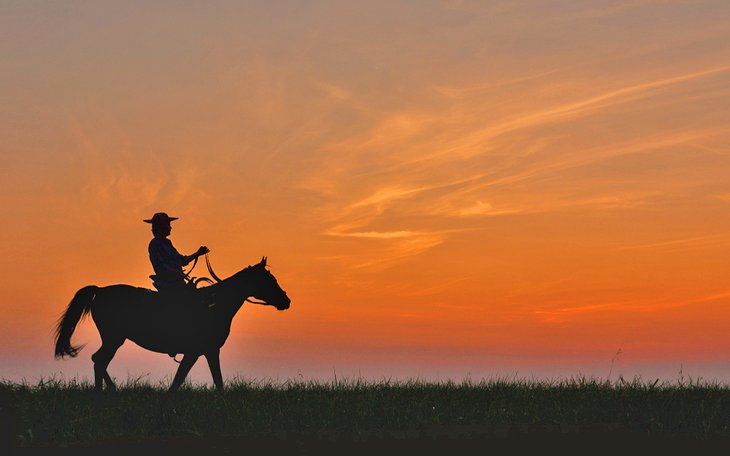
point(444, 188)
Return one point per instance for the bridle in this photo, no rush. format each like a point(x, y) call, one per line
point(215, 277)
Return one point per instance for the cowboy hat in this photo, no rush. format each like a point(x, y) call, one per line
point(160, 217)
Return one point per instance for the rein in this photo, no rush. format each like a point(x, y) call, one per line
point(187, 274)
point(210, 269)
point(217, 279)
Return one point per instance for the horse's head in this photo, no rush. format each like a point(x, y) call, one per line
point(266, 288)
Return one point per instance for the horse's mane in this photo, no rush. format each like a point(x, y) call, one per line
point(242, 272)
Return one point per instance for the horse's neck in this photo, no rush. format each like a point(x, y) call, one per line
point(235, 290)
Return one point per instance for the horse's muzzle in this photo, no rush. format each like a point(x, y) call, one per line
point(284, 304)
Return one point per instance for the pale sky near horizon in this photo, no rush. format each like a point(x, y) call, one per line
point(443, 187)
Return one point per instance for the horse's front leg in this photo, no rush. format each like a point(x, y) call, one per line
point(214, 362)
point(185, 365)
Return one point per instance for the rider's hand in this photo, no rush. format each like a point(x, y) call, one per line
point(202, 250)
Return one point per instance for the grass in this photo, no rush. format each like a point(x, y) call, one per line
point(57, 413)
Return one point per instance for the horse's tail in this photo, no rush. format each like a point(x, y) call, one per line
point(79, 307)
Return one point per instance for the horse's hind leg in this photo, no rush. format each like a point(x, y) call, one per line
point(101, 359)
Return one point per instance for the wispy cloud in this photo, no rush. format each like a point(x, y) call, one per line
point(475, 142)
point(391, 248)
point(560, 313)
point(401, 143)
point(385, 195)
point(396, 187)
point(649, 304)
point(378, 234)
point(114, 177)
point(459, 92)
point(457, 153)
point(691, 242)
point(598, 154)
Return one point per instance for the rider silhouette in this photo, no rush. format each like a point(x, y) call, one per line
point(166, 260)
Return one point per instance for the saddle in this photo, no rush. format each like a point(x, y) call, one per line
point(190, 283)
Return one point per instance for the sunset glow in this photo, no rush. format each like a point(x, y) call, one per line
point(444, 188)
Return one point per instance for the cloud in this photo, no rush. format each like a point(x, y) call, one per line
point(650, 304)
point(464, 153)
point(459, 92)
point(377, 234)
point(115, 177)
point(592, 156)
point(410, 144)
point(400, 248)
point(108, 179)
point(385, 195)
point(592, 310)
point(478, 208)
point(691, 242)
point(469, 144)
point(390, 248)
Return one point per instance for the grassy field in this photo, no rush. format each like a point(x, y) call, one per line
point(53, 414)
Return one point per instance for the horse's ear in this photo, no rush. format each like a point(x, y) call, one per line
point(263, 261)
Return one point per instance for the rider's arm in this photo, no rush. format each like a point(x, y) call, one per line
point(183, 260)
point(174, 258)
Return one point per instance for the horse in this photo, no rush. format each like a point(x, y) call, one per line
point(193, 324)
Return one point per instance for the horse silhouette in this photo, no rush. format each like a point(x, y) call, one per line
point(166, 324)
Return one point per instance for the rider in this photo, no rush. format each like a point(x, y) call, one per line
point(166, 260)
